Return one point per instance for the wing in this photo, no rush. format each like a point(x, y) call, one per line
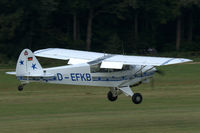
point(144, 60)
point(117, 61)
point(74, 56)
point(107, 60)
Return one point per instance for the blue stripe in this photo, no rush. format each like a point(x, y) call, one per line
point(167, 61)
point(46, 79)
point(130, 77)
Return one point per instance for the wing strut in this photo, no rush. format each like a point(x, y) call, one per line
point(127, 91)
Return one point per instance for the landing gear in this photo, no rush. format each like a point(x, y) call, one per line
point(137, 98)
point(116, 91)
point(21, 87)
point(111, 97)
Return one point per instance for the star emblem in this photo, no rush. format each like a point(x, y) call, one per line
point(34, 66)
point(21, 62)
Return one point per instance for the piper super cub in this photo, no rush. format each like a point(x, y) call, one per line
point(118, 72)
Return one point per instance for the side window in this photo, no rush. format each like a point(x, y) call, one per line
point(96, 69)
point(126, 67)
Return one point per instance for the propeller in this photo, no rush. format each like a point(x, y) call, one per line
point(159, 72)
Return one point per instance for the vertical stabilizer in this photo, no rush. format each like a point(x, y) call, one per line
point(28, 65)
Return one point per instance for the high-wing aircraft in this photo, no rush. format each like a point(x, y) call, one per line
point(118, 72)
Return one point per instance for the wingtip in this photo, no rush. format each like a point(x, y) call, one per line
point(186, 60)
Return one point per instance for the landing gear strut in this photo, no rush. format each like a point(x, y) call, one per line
point(137, 98)
point(111, 97)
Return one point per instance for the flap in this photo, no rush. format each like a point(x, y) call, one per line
point(76, 61)
point(111, 65)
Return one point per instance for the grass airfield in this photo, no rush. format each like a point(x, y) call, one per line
point(172, 105)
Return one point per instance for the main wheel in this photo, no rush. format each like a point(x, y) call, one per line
point(20, 87)
point(137, 98)
point(111, 97)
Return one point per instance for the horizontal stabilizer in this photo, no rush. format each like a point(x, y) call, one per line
point(40, 75)
point(33, 75)
point(11, 73)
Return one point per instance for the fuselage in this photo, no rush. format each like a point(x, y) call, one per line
point(92, 75)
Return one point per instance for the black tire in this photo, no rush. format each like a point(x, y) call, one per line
point(20, 88)
point(111, 97)
point(137, 98)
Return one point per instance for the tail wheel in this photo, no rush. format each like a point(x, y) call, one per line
point(137, 98)
point(111, 97)
point(20, 87)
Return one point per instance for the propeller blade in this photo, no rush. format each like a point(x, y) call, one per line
point(160, 72)
point(152, 82)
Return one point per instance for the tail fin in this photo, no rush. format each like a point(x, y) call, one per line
point(28, 65)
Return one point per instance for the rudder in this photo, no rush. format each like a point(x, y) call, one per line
point(28, 65)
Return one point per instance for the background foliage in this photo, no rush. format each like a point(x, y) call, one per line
point(119, 26)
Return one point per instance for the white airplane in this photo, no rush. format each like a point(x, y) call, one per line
point(118, 72)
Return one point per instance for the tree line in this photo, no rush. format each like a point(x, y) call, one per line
point(115, 26)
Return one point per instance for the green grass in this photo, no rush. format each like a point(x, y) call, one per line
point(172, 105)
